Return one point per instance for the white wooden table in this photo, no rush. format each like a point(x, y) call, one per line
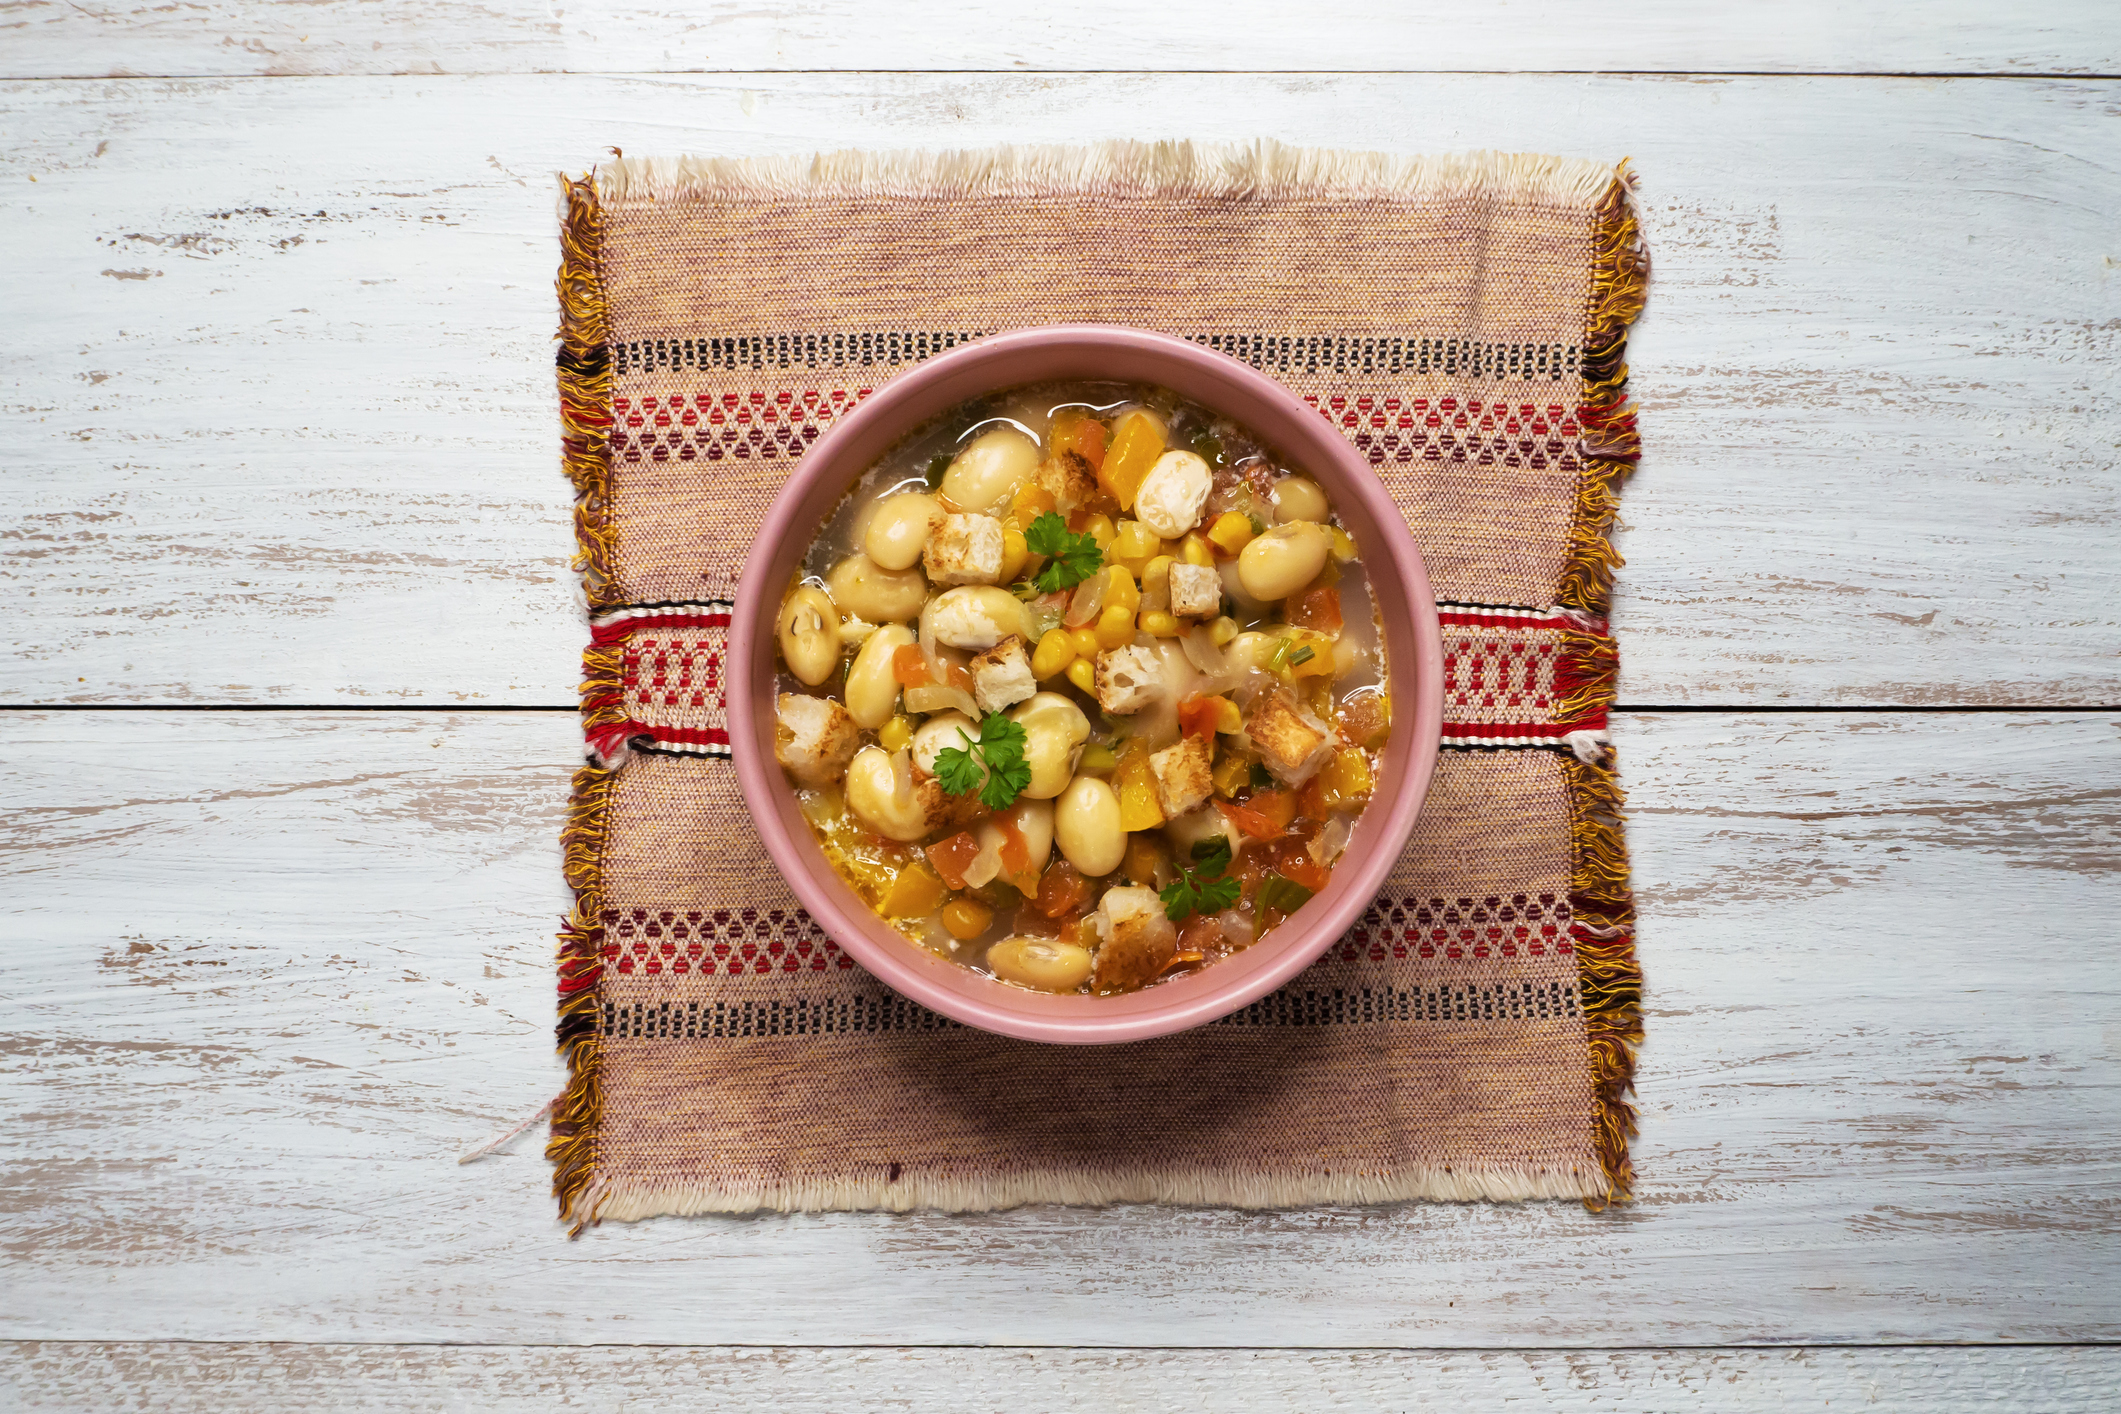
point(288, 721)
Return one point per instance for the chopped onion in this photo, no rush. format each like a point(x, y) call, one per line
point(937, 696)
point(1088, 603)
point(1331, 842)
point(1218, 673)
point(1238, 928)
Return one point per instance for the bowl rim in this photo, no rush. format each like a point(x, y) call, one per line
point(897, 408)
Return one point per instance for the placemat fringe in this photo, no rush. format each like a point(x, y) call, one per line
point(585, 380)
point(626, 1202)
point(1609, 974)
point(579, 1111)
point(1187, 169)
point(1620, 280)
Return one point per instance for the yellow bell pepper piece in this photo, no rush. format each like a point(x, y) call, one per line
point(1137, 441)
point(1138, 807)
point(916, 891)
point(1228, 720)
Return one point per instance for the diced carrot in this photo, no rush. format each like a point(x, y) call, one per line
point(1258, 826)
point(1197, 716)
point(1061, 890)
point(1317, 609)
point(952, 857)
point(910, 666)
point(1078, 432)
point(1278, 806)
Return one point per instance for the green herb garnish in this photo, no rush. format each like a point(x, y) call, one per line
point(1282, 893)
point(937, 465)
point(1207, 886)
point(1075, 556)
point(1301, 656)
point(994, 765)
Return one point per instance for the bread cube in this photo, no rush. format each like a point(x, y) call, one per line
point(1001, 676)
point(1069, 479)
point(1137, 942)
point(1128, 679)
point(1291, 742)
point(815, 738)
point(1182, 779)
point(1196, 591)
point(964, 550)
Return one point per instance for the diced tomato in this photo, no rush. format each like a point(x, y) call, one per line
point(1061, 890)
point(952, 857)
point(1200, 934)
point(910, 666)
point(1258, 826)
point(1016, 850)
point(1197, 716)
point(1317, 609)
point(1300, 868)
point(1029, 922)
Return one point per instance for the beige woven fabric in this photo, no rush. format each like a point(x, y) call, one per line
point(1461, 320)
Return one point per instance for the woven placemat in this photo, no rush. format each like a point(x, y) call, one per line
point(1463, 319)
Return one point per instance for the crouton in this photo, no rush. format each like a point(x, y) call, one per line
point(1128, 679)
point(1196, 591)
point(1137, 940)
point(1001, 676)
point(1069, 479)
point(946, 813)
point(1291, 742)
point(1172, 494)
point(1182, 779)
point(814, 738)
point(964, 550)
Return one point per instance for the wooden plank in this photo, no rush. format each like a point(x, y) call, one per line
point(53, 1376)
point(272, 972)
point(285, 429)
point(117, 38)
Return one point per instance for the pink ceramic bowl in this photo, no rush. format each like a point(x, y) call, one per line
point(1298, 433)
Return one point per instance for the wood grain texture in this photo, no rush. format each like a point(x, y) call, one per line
point(270, 973)
point(116, 38)
point(49, 1377)
point(282, 410)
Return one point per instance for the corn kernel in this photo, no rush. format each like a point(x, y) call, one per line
point(1196, 550)
point(895, 734)
point(1343, 546)
point(1099, 528)
point(1228, 720)
point(1120, 592)
point(1222, 631)
point(1085, 641)
point(1134, 541)
point(1231, 532)
point(1159, 624)
point(1014, 552)
point(1156, 583)
point(1115, 628)
point(1082, 674)
point(1055, 651)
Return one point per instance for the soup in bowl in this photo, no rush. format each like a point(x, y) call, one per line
point(1086, 684)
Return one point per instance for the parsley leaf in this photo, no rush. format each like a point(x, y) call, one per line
point(994, 765)
point(1205, 888)
point(1074, 555)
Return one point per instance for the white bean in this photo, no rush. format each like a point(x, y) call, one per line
point(1053, 728)
point(872, 691)
point(1172, 494)
point(880, 793)
point(810, 634)
point(898, 529)
point(989, 469)
point(1042, 964)
point(1282, 561)
point(1298, 498)
point(862, 587)
point(1086, 824)
point(938, 734)
point(975, 617)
